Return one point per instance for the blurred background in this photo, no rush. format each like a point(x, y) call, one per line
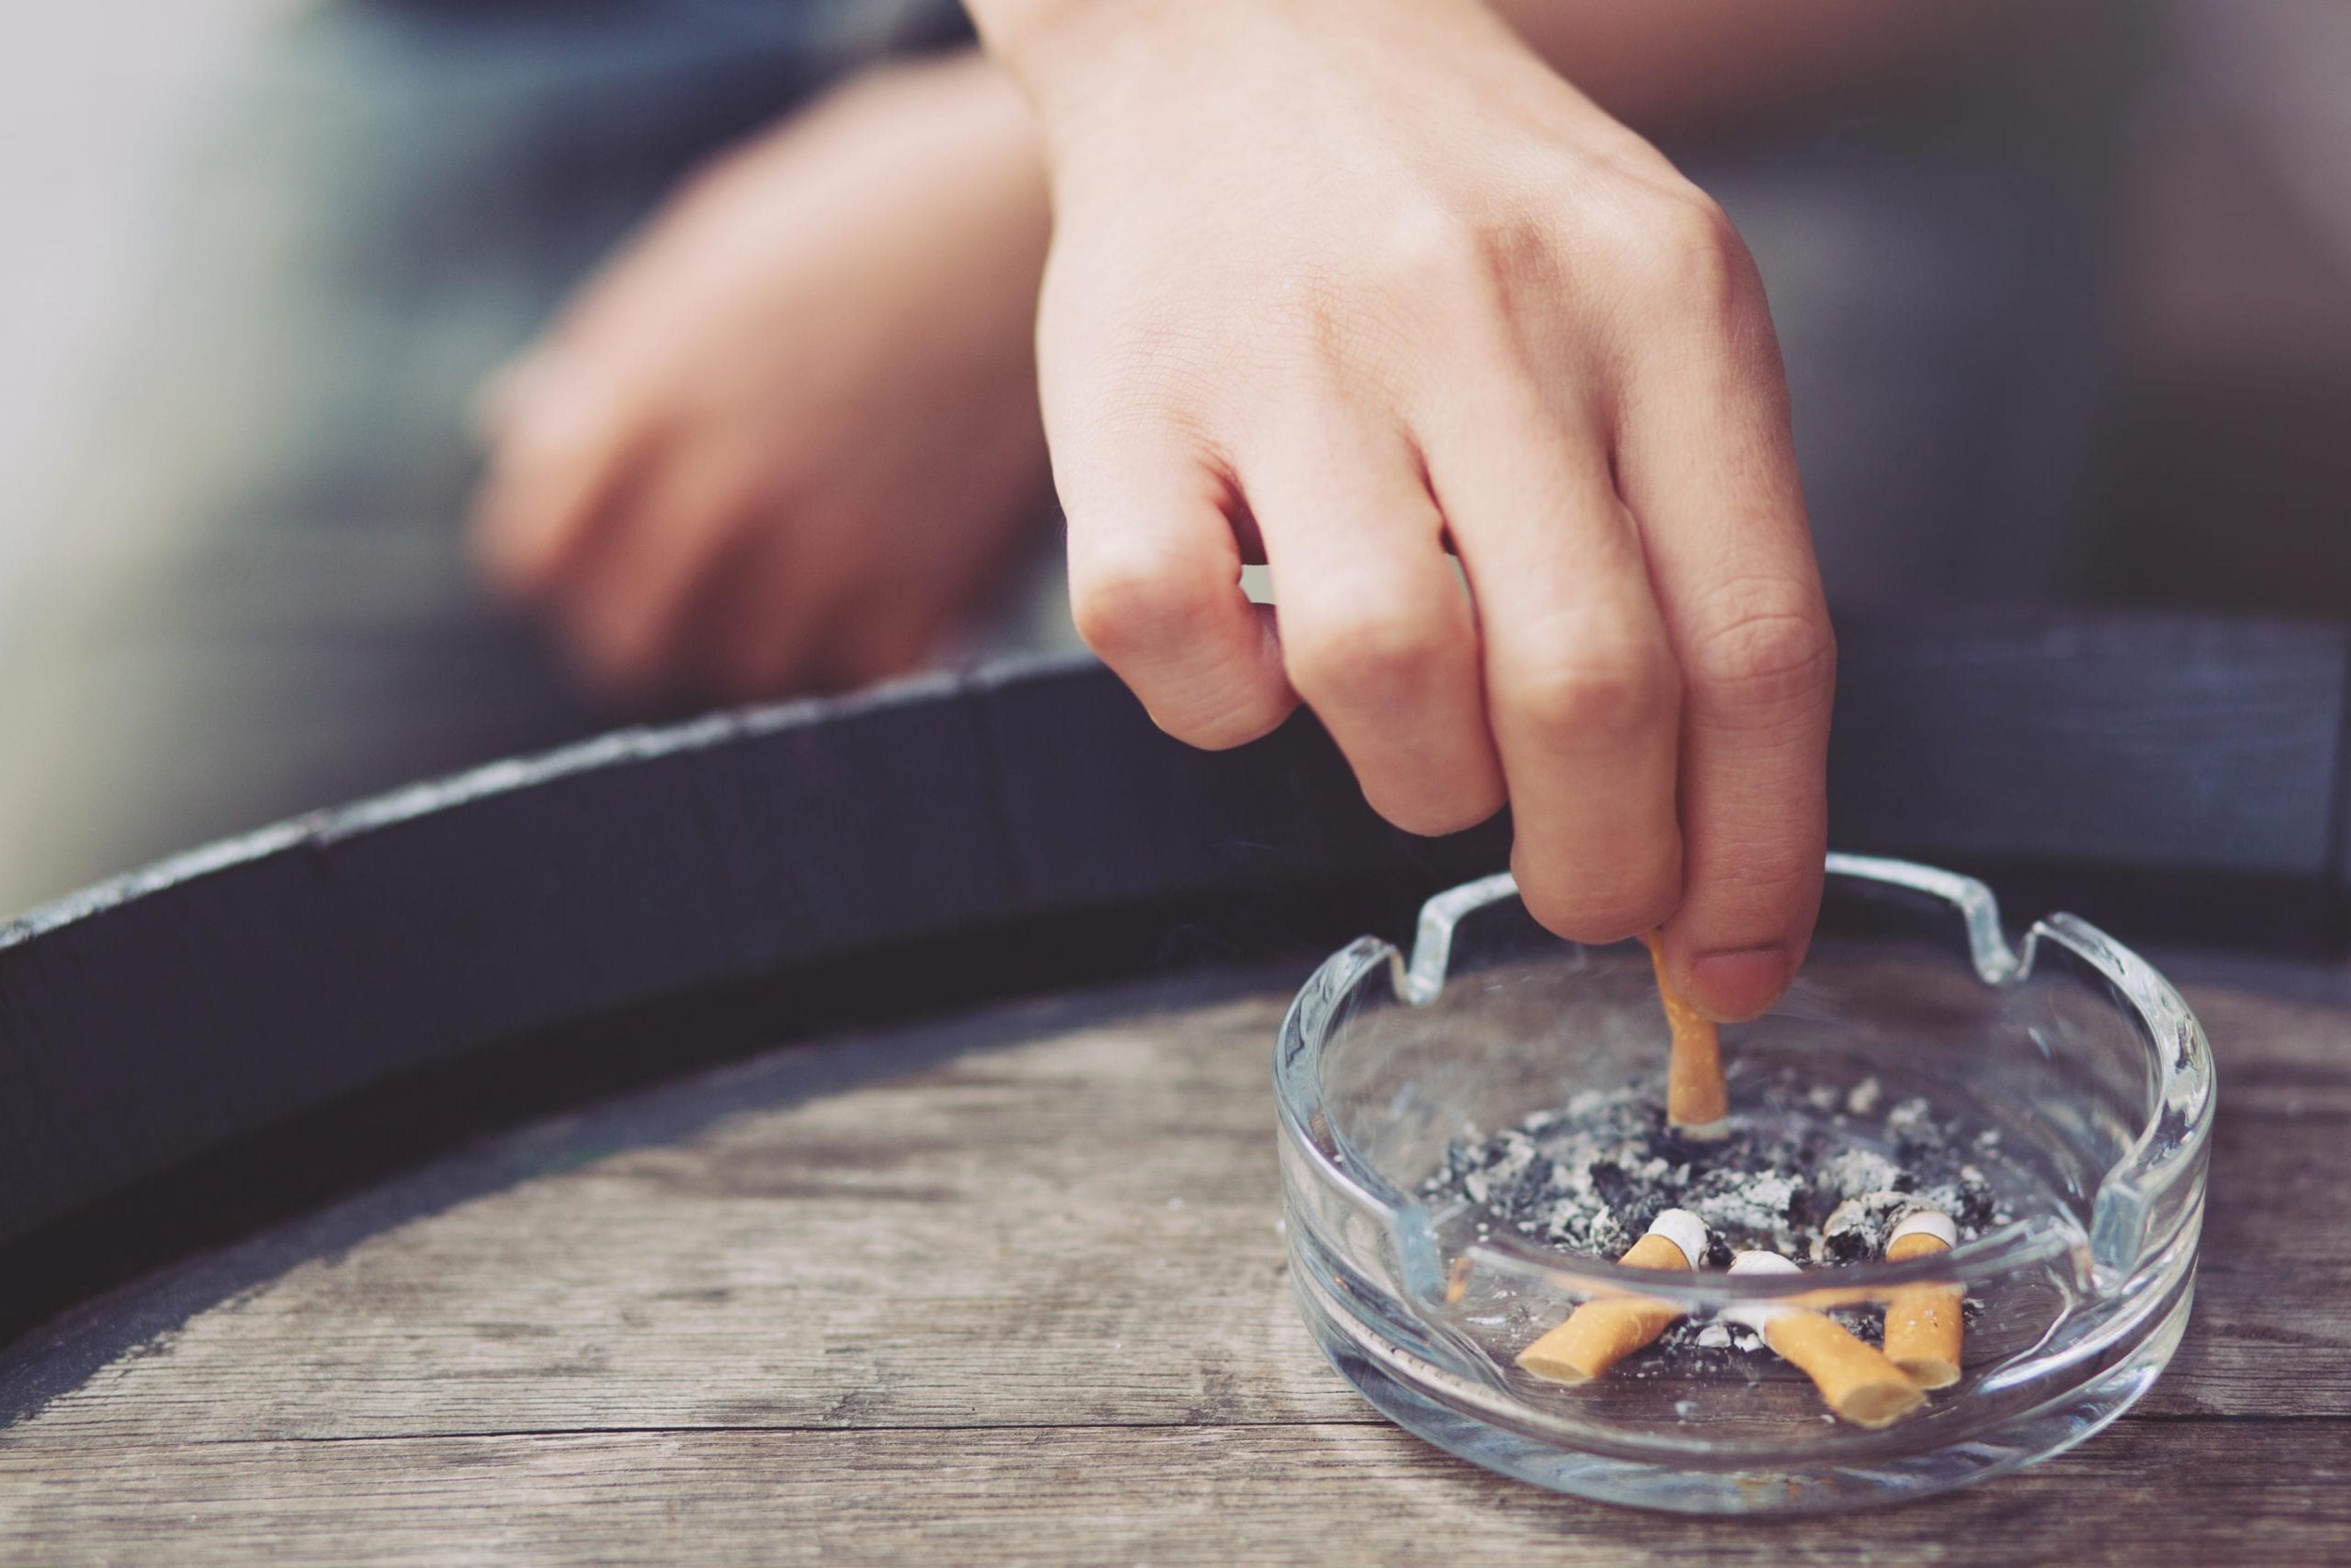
point(97, 106)
point(2065, 291)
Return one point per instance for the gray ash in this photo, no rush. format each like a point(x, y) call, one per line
point(1821, 1176)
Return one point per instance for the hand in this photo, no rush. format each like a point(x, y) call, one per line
point(1355, 284)
point(792, 430)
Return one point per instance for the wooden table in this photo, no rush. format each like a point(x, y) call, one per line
point(1010, 1288)
point(642, 1153)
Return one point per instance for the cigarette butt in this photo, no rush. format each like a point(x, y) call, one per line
point(1698, 1102)
point(1857, 1379)
point(1923, 1322)
point(1599, 1334)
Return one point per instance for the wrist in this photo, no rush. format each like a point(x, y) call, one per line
point(1066, 53)
point(1067, 56)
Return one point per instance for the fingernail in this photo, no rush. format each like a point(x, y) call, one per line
point(1729, 987)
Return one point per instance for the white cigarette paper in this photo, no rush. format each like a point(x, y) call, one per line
point(1923, 1323)
point(1857, 1379)
point(1598, 1335)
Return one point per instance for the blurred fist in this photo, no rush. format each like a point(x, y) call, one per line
point(790, 432)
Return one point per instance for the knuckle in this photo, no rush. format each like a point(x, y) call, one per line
point(1138, 605)
point(1690, 254)
point(1697, 226)
point(1373, 655)
point(1428, 269)
point(1603, 907)
point(1361, 320)
point(1596, 697)
point(1479, 272)
point(1515, 264)
point(1235, 722)
point(1773, 651)
point(1435, 815)
point(1424, 245)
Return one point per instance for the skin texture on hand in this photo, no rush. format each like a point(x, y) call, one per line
point(1362, 287)
point(791, 431)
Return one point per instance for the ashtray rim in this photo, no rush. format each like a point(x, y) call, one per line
point(2120, 1241)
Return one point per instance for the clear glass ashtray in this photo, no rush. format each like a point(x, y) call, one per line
point(1446, 1208)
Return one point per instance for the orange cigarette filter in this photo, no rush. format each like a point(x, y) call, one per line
point(1923, 1322)
point(1696, 1100)
point(1598, 1335)
point(1857, 1379)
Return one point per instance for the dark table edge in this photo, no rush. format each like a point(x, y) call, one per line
point(196, 1049)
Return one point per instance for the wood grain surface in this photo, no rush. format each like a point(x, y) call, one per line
point(1009, 1289)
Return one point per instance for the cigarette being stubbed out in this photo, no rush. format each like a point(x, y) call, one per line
point(1859, 1382)
point(1923, 1322)
point(1698, 1102)
point(1601, 1334)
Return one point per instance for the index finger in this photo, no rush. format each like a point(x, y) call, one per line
point(1707, 464)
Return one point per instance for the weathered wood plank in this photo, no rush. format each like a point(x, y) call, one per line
point(1081, 1227)
point(2146, 1493)
point(1009, 1289)
point(991, 1237)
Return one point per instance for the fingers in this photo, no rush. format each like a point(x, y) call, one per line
point(630, 594)
point(1154, 586)
point(1377, 633)
point(1580, 677)
point(563, 439)
point(1706, 463)
point(762, 613)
